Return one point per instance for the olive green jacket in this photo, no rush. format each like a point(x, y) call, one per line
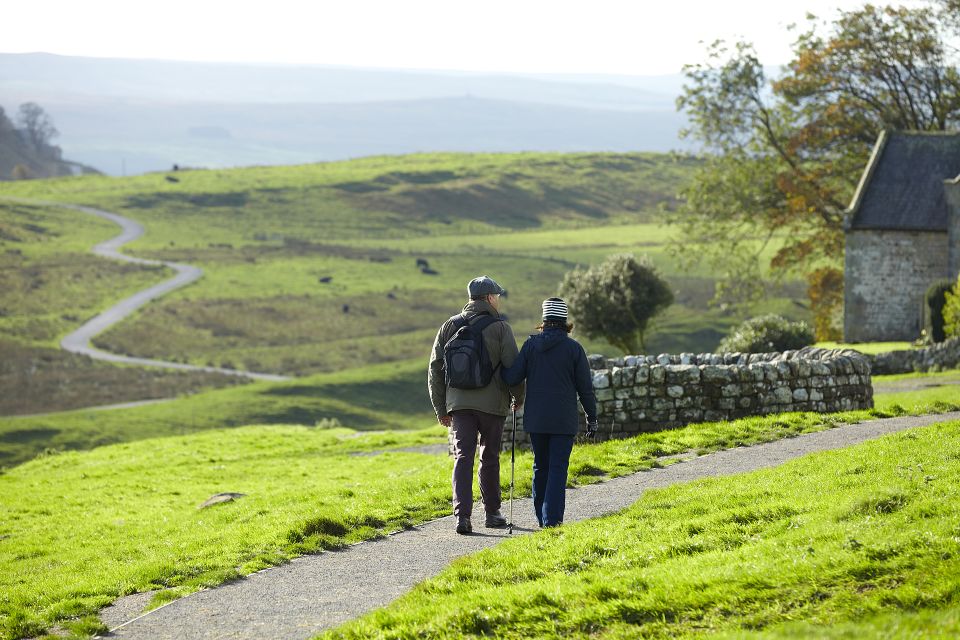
point(493, 398)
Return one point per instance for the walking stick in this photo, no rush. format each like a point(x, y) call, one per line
point(513, 447)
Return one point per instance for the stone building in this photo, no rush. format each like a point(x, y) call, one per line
point(902, 234)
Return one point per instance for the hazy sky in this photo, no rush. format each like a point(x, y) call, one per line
point(638, 37)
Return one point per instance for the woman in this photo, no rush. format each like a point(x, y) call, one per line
point(556, 370)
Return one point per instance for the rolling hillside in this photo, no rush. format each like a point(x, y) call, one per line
point(312, 268)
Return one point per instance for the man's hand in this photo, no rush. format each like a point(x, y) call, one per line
point(592, 426)
point(445, 420)
point(516, 406)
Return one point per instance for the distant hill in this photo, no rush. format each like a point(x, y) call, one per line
point(133, 116)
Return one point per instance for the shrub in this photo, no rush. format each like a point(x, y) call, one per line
point(616, 300)
point(936, 298)
point(951, 312)
point(767, 333)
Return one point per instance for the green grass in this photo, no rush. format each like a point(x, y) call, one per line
point(390, 396)
point(88, 527)
point(931, 378)
point(50, 281)
point(51, 284)
point(265, 236)
point(869, 348)
point(386, 396)
point(851, 538)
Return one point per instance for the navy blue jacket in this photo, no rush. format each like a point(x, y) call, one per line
point(556, 370)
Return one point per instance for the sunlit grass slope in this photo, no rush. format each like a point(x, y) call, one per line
point(83, 528)
point(861, 542)
point(268, 237)
point(382, 397)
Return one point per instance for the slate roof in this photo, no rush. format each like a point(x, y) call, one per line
point(902, 186)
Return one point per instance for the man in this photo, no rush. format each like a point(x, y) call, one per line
point(470, 413)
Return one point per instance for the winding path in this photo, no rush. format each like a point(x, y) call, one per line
point(79, 340)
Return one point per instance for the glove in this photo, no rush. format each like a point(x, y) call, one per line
point(592, 426)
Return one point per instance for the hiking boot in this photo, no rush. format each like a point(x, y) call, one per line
point(495, 520)
point(463, 526)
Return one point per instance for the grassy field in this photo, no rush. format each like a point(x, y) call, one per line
point(855, 538)
point(50, 285)
point(267, 236)
point(389, 396)
point(869, 348)
point(83, 528)
point(374, 397)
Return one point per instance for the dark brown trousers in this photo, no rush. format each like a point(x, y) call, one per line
point(468, 425)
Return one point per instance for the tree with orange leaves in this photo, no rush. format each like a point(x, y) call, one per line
point(784, 155)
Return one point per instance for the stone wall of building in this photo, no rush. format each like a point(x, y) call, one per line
point(640, 394)
point(951, 189)
point(886, 276)
point(944, 355)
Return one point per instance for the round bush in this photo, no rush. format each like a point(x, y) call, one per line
point(767, 333)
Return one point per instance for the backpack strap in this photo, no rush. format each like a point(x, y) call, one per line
point(481, 321)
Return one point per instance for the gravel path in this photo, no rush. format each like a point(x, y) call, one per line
point(79, 340)
point(318, 592)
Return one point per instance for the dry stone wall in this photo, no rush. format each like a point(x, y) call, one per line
point(937, 357)
point(638, 394)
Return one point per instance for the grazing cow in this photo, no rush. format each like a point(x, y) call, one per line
point(391, 295)
point(346, 308)
point(172, 179)
point(428, 271)
point(326, 279)
point(422, 263)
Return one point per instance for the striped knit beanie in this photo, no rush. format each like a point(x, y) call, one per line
point(554, 309)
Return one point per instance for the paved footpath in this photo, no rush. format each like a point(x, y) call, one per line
point(318, 592)
point(79, 340)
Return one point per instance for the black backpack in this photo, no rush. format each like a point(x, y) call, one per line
point(466, 362)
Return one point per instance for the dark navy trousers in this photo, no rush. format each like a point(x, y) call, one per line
point(551, 457)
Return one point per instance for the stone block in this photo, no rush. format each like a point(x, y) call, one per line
point(783, 395)
point(601, 380)
point(682, 373)
point(756, 372)
point(623, 394)
point(716, 374)
point(643, 374)
point(771, 372)
point(604, 394)
point(800, 395)
point(657, 374)
point(640, 391)
point(675, 391)
point(730, 390)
